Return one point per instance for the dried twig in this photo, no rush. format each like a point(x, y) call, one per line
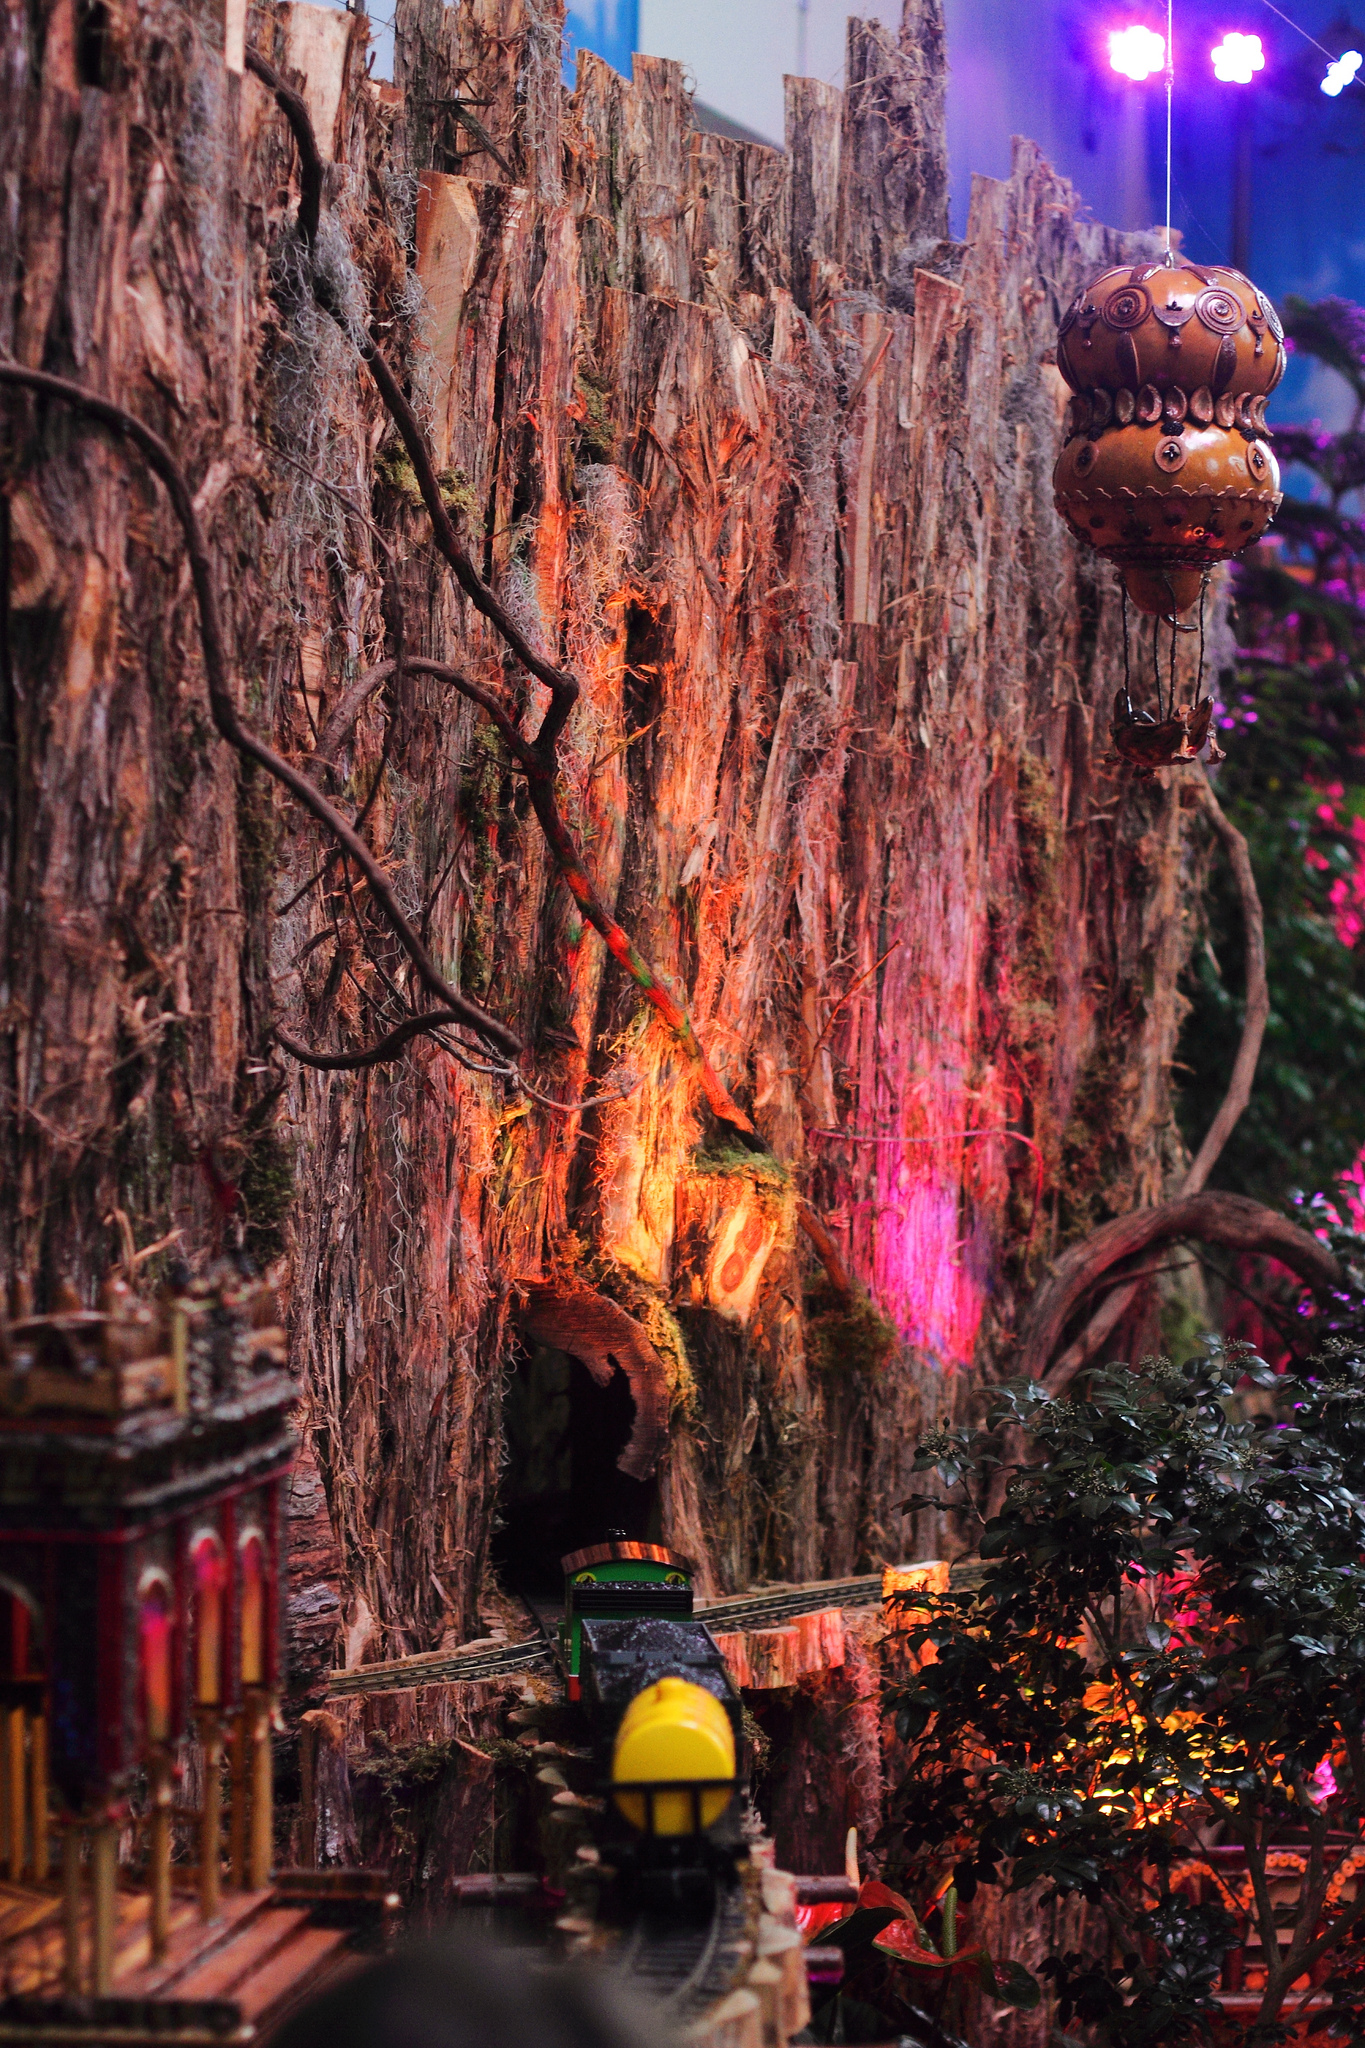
point(827, 1251)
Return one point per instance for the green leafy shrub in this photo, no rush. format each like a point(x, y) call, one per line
point(1293, 716)
point(1166, 1654)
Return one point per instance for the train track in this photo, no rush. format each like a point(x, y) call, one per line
point(683, 1966)
point(769, 1607)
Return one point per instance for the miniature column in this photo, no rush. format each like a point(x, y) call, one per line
point(261, 1710)
point(104, 1885)
point(72, 1844)
point(237, 1818)
point(37, 1764)
point(15, 1788)
point(159, 1854)
point(211, 1814)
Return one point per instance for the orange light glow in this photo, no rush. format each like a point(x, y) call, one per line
point(209, 1567)
point(155, 1635)
point(252, 1558)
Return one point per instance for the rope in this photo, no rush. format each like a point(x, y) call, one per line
point(1170, 89)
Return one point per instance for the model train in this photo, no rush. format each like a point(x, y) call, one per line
point(665, 1724)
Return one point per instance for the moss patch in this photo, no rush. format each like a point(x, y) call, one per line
point(266, 1181)
point(770, 1181)
point(597, 436)
point(397, 1777)
point(843, 1339)
point(394, 468)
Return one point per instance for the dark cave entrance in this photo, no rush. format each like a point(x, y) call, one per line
point(561, 1488)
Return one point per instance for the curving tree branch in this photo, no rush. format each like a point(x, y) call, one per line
point(386, 1048)
point(1120, 1298)
point(1211, 1217)
point(1257, 992)
point(224, 712)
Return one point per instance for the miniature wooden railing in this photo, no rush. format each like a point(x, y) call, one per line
point(24, 1823)
point(90, 1845)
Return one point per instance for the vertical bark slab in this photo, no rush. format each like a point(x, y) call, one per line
point(893, 162)
point(814, 131)
point(742, 438)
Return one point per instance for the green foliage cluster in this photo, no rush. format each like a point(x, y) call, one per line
point(1294, 784)
point(394, 467)
point(1167, 1650)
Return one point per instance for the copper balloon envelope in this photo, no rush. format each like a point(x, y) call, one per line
point(1167, 468)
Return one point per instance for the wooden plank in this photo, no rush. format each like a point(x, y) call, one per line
point(774, 1658)
point(655, 121)
point(893, 166)
point(297, 1966)
point(220, 1974)
point(193, 1942)
point(765, 177)
point(861, 591)
point(466, 237)
point(316, 43)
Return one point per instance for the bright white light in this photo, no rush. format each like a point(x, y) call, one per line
point(1136, 52)
point(1238, 58)
point(1340, 73)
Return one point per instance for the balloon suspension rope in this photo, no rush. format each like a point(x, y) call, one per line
point(1170, 89)
point(1127, 674)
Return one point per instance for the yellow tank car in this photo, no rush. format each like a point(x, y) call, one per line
point(673, 1761)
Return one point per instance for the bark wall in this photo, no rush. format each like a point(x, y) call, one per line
point(743, 437)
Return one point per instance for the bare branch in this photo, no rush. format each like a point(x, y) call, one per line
point(1211, 1217)
point(224, 712)
point(386, 1048)
point(1257, 992)
point(291, 105)
point(348, 708)
point(827, 1251)
point(540, 783)
point(562, 686)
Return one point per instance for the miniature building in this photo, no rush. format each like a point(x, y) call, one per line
point(143, 1449)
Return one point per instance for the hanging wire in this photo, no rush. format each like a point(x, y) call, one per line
point(1127, 676)
point(1199, 680)
point(1170, 90)
point(1174, 635)
point(1357, 80)
point(1156, 662)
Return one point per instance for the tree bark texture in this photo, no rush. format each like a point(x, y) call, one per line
point(742, 438)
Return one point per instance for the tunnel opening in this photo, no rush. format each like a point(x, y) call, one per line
point(562, 1487)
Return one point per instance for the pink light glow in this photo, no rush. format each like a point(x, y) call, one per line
point(1136, 52)
point(1324, 1784)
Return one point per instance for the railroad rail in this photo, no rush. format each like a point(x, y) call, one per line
point(765, 1607)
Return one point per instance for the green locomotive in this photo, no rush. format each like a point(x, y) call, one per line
point(619, 1581)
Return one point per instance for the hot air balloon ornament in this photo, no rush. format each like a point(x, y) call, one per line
point(1166, 468)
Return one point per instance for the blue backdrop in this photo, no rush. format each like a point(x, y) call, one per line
point(610, 28)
